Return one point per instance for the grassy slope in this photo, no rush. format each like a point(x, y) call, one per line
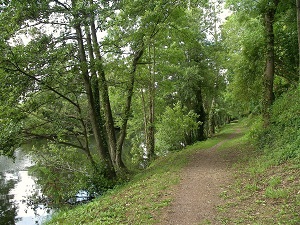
point(264, 191)
point(261, 192)
point(142, 199)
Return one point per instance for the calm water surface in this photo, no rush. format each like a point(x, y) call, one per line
point(16, 187)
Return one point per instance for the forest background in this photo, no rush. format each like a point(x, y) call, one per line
point(103, 88)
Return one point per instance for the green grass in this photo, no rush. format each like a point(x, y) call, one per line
point(276, 193)
point(141, 200)
point(263, 191)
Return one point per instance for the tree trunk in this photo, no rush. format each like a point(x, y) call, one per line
point(211, 115)
point(151, 130)
point(268, 80)
point(122, 135)
point(95, 85)
point(109, 122)
point(298, 26)
point(115, 145)
point(85, 144)
point(202, 115)
point(94, 80)
point(150, 127)
point(145, 120)
point(92, 110)
point(211, 119)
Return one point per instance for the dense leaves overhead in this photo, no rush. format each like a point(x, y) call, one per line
point(113, 79)
point(57, 52)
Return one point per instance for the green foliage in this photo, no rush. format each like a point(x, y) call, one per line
point(9, 140)
point(255, 124)
point(243, 40)
point(276, 193)
point(174, 128)
point(263, 191)
point(244, 37)
point(63, 171)
point(140, 201)
point(45, 78)
point(282, 140)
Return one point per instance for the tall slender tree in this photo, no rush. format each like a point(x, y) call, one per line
point(269, 18)
point(266, 10)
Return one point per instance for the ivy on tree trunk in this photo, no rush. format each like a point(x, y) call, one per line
point(268, 80)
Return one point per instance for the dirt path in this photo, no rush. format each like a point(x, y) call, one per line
point(198, 194)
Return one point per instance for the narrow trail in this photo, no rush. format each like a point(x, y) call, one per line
point(198, 193)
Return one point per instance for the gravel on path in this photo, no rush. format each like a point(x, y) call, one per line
point(198, 194)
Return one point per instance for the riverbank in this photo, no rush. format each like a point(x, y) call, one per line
point(143, 199)
point(255, 192)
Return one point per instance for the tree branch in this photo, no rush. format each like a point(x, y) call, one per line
point(18, 69)
point(62, 4)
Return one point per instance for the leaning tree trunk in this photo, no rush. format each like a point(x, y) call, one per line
point(95, 84)
point(122, 135)
point(109, 122)
point(99, 139)
point(268, 80)
point(115, 145)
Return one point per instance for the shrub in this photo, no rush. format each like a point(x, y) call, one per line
point(176, 124)
point(62, 171)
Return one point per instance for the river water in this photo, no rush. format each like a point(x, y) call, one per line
point(16, 187)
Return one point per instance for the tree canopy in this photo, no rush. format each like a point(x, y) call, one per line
point(123, 82)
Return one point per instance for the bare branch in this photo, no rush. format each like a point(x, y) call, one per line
point(62, 4)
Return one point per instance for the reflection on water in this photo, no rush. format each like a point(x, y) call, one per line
point(16, 186)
